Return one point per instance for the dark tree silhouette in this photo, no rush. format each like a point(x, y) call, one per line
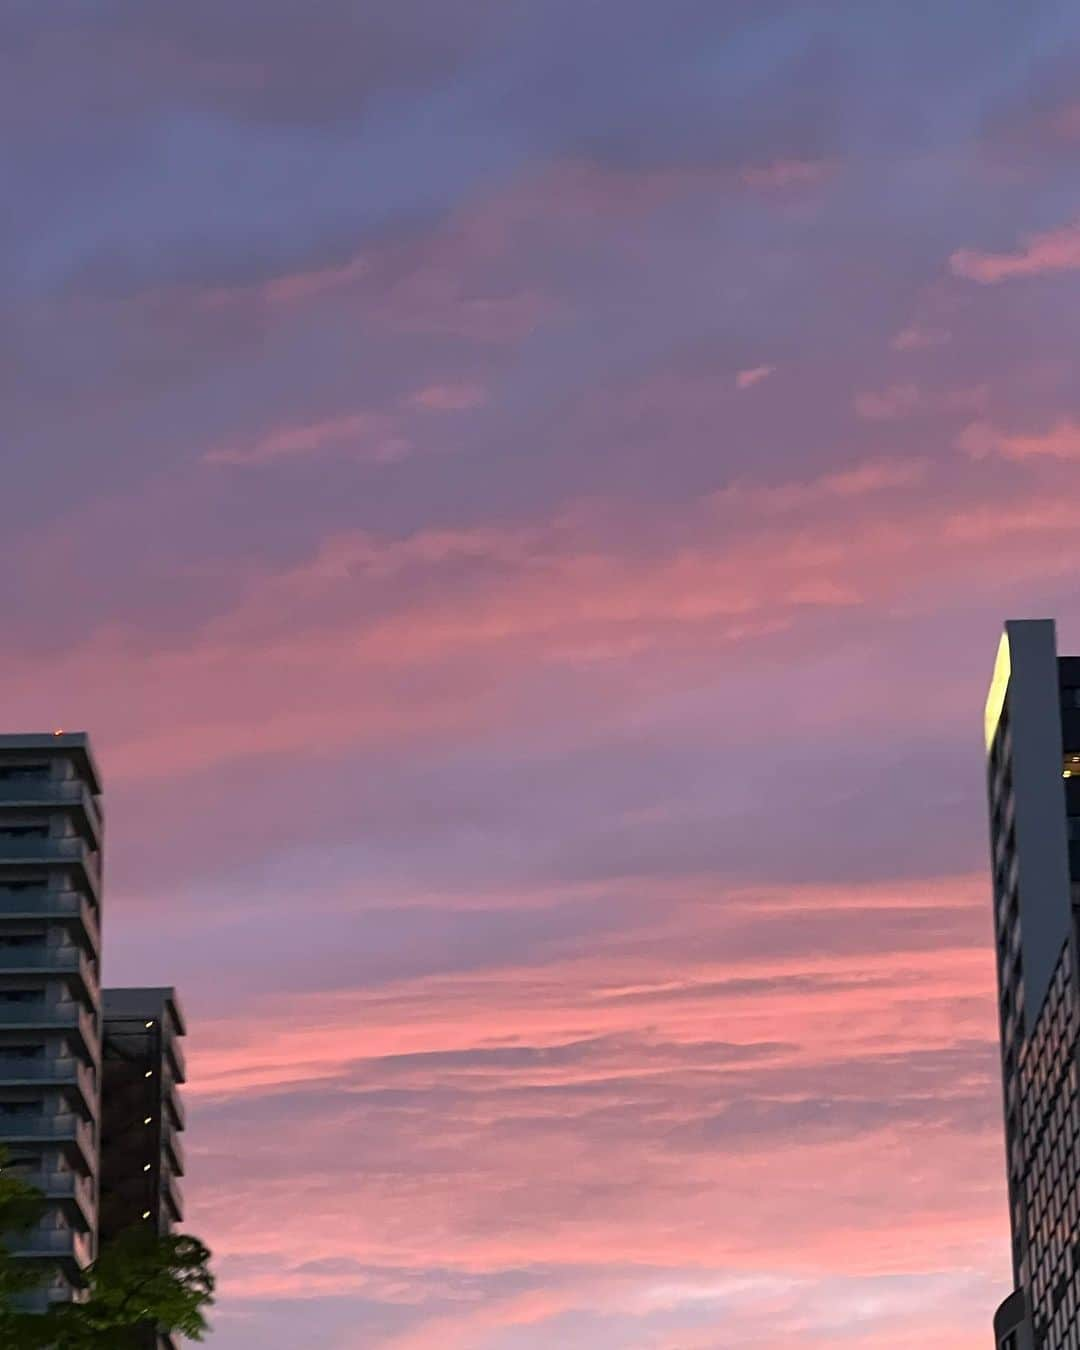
point(139, 1281)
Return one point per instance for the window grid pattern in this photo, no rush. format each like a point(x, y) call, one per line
point(1049, 1159)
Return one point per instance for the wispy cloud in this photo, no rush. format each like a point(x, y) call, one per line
point(746, 379)
point(1060, 441)
point(898, 401)
point(916, 337)
point(370, 436)
point(453, 397)
point(787, 173)
point(1040, 255)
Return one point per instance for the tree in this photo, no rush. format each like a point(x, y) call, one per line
point(21, 1206)
point(139, 1281)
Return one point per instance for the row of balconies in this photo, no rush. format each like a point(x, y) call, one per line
point(71, 907)
point(70, 1187)
point(68, 1130)
point(45, 1017)
point(175, 1055)
point(175, 1108)
point(174, 1149)
point(170, 1194)
point(52, 960)
point(68, 851)
point(22, 1072)
point(56, 1243)
point(52, 792)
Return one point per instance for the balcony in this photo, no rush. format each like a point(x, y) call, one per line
point(176, 1058)
point(67, 906)
point(55, 1072)
point(66, 1186)
point(53, 792)
point(54, 1017)
point(65, 1129)
point(67, 1245)
point(171, 1197)
point(175, 1149)
point(175, 1108)
point(33, 851)
point(56, 960)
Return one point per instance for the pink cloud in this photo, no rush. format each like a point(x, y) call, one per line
point(787, 173)
point(290, 287)
point(355, 622)
point(746, 379)
point(1061, 441)
point(908, 400)
point(366, 435)
point(1041, 254)
point(915, 337)
point(460, 397)
point(627, 1072)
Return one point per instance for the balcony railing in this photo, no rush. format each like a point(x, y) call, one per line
point(51, 961)
point(33, 851)
point(53, 1242)
point(64, 1186)
point(175, 1149)
point(174, 1201)
point(175, 1053)
point(38, 957)
point(53, 1016)
point(42, 1069)
point(65, 1129)
point(52, 792)
point(64, 1071)
point(175, 1108)
point(50, 903)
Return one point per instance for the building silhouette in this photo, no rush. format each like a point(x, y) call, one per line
point(89, 1103)
point(142, 1158)
point(1033, 748)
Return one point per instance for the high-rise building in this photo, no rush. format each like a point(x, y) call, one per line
point(142, 1158)
point(50, 1000)
point(1033, 747)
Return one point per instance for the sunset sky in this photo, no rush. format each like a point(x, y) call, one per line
point(523, 495)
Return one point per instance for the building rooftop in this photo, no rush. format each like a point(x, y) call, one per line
point(73, 743)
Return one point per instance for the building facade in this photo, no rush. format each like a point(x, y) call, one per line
point(142, 1157)
point(1033, 750)
point(50, 997)
point(90, 1111)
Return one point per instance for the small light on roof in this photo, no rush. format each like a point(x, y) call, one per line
point(59, 731)
point(146, 1213)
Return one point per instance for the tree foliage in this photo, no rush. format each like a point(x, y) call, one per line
point(140, 1280)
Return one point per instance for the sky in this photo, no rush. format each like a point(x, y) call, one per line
point(523, 495)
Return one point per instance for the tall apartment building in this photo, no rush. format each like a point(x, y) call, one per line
point(50, 999)
point(89, 1094)
point(142, 1158)
point(1033, 747)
